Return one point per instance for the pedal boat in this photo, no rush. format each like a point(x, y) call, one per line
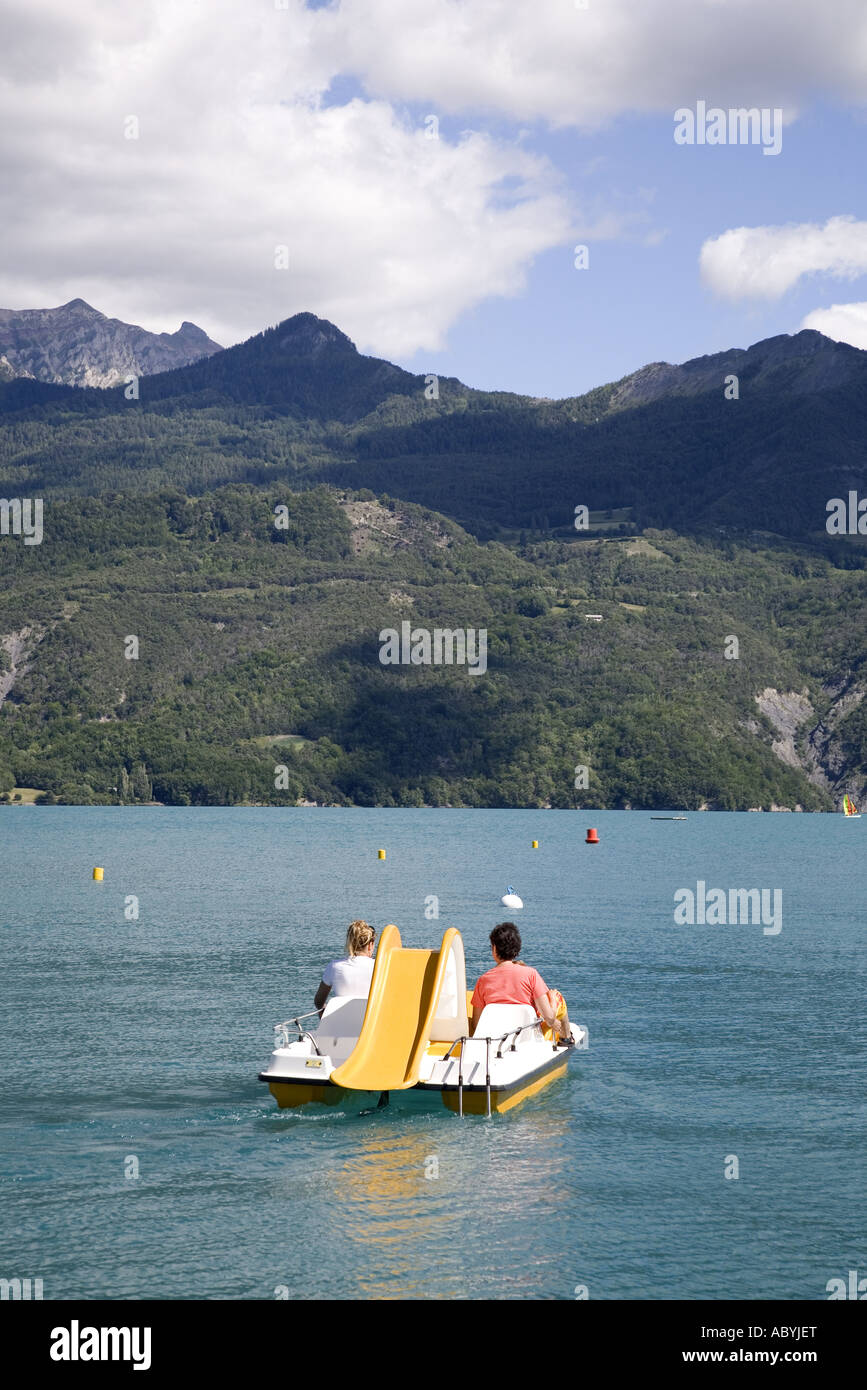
point(408, 1043)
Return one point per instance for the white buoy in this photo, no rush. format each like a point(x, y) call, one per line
point(511, 899)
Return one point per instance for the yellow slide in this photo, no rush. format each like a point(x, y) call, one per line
point(397, 1023)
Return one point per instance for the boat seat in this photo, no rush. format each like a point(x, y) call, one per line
point(340, 1025)
point(343, 1015)
point(497, 1019)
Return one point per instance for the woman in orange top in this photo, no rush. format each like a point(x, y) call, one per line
point(513, 982)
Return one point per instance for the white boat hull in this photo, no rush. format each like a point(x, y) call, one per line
point(513, 1079)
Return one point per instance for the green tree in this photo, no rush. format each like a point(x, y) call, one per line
point(141, 785)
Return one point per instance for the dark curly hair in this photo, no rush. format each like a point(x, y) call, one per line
point(507, 940)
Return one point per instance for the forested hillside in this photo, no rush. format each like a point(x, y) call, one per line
point(258, 650)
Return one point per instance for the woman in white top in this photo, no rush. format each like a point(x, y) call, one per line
point(349, 978)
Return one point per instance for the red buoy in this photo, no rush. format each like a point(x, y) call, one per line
point(592, 837)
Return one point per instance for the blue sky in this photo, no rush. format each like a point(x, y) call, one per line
point(571, 330)
point(235, 164)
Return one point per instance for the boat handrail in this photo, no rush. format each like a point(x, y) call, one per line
point(283, 1029)
point(512, 1033)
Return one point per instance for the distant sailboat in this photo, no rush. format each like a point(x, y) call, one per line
point(850, 810)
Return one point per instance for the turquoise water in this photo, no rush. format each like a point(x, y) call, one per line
point(141, 1040)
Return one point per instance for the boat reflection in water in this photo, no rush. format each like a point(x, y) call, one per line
point(432, 1208)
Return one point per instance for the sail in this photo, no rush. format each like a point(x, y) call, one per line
point(849, 807)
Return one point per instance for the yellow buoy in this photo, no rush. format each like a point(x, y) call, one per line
point(380, 854)
point(97, 873)
point(535, 844)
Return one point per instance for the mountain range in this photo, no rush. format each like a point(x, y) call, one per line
point(76, 345)
point(412, 497)
point(672, 444)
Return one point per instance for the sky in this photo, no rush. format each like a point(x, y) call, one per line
point(421, 172)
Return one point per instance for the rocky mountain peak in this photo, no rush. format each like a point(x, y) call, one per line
point(307, 334)
point(814, 363)
point(77, 345)
point(74, 305)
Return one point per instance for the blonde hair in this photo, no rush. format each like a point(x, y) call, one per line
point(359, 937)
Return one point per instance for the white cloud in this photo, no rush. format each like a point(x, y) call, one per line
point(552, 61)
point(845, 323)
point(390, 234)
point(765, 262)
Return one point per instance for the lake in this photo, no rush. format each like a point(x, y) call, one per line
point(142, 1158)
